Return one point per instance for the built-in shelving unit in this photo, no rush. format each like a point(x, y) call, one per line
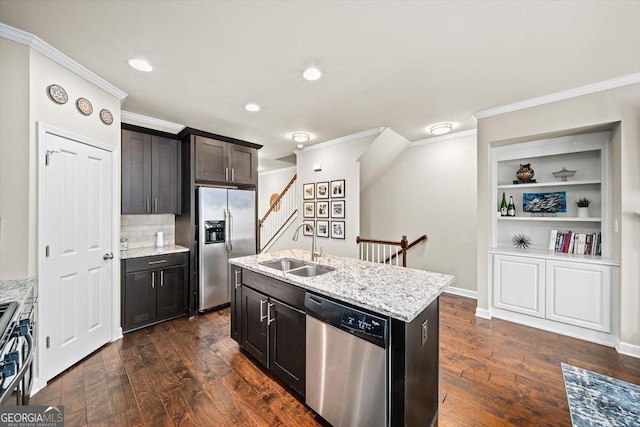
point(569, 293)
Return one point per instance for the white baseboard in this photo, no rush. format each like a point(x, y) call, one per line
point(117, 336)
point(461, 292)
point(483, 312)
point(628, 349)
point(36, 386)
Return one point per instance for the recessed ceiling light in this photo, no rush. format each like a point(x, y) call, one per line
point(140, 65)
point(252, 107)
point(312, 74)
point(441, 129)
point(300, 137)
point(300, 146)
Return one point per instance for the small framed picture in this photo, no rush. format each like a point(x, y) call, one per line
point(309, 209)
point(308, 191)
point(337, 209)
point(322, 190)
point(322, 228)
point(309, 225)
point(337, 229)
point(322, 209)
point(337, 189)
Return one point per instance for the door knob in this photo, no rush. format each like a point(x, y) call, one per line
point(107, 256)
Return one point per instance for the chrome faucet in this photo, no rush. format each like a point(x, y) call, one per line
point(314, 254)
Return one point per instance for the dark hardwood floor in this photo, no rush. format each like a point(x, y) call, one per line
point(183, 372)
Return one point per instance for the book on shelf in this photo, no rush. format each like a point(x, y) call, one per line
point(569, 242)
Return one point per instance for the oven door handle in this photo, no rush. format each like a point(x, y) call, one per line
point(25, 365)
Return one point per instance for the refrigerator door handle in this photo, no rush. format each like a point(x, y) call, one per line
point(226, 231)
point(230, 231)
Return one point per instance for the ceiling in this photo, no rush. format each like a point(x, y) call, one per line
point(402, 64)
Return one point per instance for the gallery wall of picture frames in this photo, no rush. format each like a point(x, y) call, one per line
point(58, 95)
point(323, 208)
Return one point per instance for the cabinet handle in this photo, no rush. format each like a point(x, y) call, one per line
point(262, 316)
point(270, 320)
point(237, 281)
point(153, 279)
point(147, 205)
point(161, 277)
point(155, 204)
point(157, 262)
point(233, 178)
point(226, 174)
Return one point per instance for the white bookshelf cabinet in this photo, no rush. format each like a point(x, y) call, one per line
point(572, 294)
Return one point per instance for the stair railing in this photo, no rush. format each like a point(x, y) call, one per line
point(386, 251)
point(279, 213)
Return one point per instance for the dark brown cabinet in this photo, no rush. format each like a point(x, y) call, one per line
point(273, 331)
point(235, 287)
point(153, 289)
point(150, 174)
point(219, 161)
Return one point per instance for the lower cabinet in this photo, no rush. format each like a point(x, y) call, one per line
point(153, 289)
point(274, 333)
point(571, 292)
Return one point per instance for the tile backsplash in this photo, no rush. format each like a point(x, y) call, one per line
point(141, 230)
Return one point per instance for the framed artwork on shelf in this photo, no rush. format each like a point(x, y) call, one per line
point(322, 190)
point(309, 191)
point(544, 202)
point(322, 209)
point(309, 209)
point(337, 209)
point(309, 225)
point(337, 189)
point(322, 228)
point(337, 229)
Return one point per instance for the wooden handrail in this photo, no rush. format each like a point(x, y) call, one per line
point(277, 201)
point(403, 243)
point(380, 242)
point(409, 246)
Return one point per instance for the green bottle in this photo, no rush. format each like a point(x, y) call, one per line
point(503, 206)
point(511, 209)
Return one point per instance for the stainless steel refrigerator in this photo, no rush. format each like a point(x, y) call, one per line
point(226, 229)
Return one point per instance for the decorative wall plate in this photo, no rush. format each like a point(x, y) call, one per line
point(84, 106)
point(106, 116)
point(57, 94)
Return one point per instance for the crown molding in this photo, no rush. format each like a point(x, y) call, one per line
point(54, 54)
point(559, 96)
point(447, 137)
point(285, 169)
point(150, 122)
point(363, 134)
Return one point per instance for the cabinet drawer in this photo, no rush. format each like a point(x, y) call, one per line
point(153, 262)
point(289, 294)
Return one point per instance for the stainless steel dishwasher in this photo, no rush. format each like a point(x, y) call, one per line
point(346, 372)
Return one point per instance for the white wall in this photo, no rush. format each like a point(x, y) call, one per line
point(14, 159)
point(617, 109)
point(339, 161)
point(272, 182)
point(25, 83)
point(430, 189)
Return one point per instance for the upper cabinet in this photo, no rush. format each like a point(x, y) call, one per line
point(223, 162)
point(150, 174)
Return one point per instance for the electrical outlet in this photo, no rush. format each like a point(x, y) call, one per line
point(424, 331)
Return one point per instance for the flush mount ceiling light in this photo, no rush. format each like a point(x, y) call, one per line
point(312, 74)
point(252, 107)
point(140, 65)
point(441, 128)
point(300, 137)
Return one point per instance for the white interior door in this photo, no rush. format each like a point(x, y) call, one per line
point(75, 282)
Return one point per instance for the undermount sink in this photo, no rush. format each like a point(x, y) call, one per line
point(297, 267)
point(311, 270)
point(284, 264)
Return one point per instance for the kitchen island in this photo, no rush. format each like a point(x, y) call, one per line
point(393, 308)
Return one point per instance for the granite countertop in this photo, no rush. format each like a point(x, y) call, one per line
point(16, 290)
point(398, 292)
point(151, 251)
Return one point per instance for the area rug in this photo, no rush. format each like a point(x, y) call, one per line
point(599, 400)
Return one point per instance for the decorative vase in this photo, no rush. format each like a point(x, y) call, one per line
point(583, 212)
point(525, 173)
